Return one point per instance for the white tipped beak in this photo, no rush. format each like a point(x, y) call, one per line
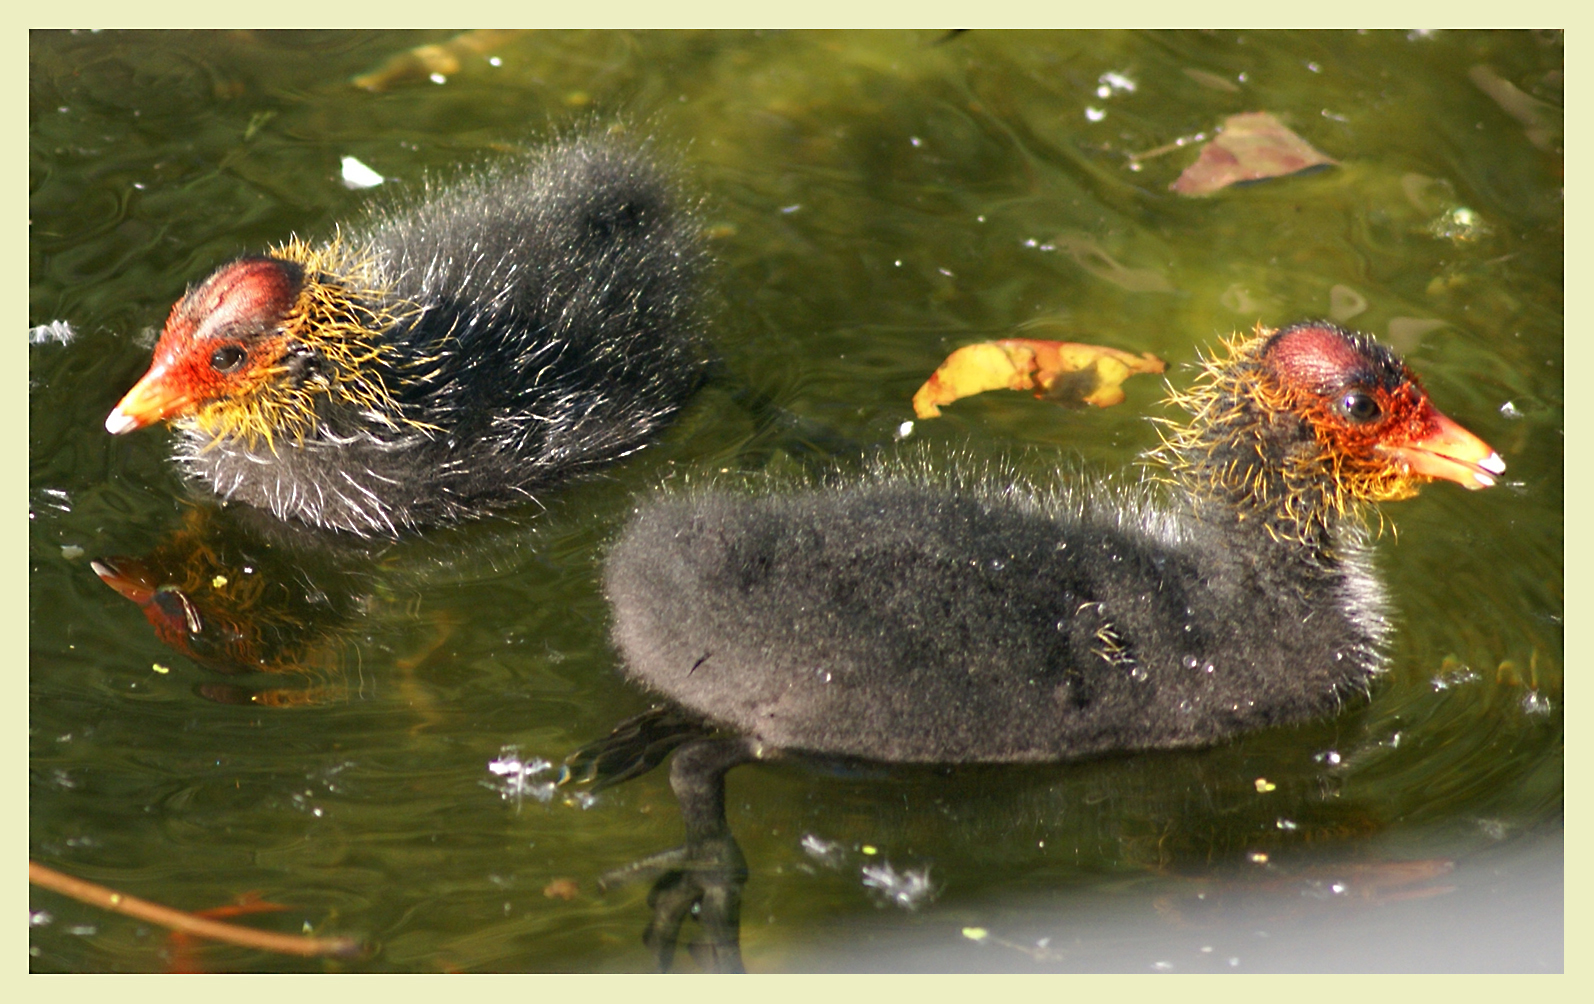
point(118, 422)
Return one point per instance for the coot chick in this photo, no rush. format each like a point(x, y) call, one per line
point(443, 359)
point(916, 618)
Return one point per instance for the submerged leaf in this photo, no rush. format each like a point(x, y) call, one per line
point(1068, 372)
point(1090, 257)
point(1541, 122)
point(1251, 147)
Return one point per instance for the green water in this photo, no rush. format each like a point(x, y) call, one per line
point(875, 200)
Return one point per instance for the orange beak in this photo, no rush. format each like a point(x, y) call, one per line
point(1452, 453)
point(155, 397)
point(125, 579)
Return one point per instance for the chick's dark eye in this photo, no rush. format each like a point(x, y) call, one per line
point(1359, 407)
point(227, 358)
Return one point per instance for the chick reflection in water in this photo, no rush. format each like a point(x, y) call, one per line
point(924, 617)
point(238, 603)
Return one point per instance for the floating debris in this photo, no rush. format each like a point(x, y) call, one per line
point(1453, 674)
point(518, 777)
point(59, 332)
point(356, 175)
point(1535, 703)
point(1113, 83)
point(562, 888)
point(909, 889)
point(434, 62)
point(1459, 225)
point(829, 853)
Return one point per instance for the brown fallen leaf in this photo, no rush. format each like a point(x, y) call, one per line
point(1068, 372)
point(1251, 147)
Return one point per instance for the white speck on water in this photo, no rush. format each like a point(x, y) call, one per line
point(71, 552)
point(40, 918)
point(1330, 757)
point(1510, 410)
point(438, 78)
point(1162, 967)
point(1190, 661)
point(1095, 114)
point(791, 208)
point(1535, 703)
point(356, 175)
point(1112, 82)
point(905, 430)
point(1285, 824)
point(916, 141)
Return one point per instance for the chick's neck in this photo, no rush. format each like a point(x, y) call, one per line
point(1252, 465)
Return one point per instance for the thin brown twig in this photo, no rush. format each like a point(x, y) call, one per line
point(177, 920)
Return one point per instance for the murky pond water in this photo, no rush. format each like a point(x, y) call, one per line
point(874, 201)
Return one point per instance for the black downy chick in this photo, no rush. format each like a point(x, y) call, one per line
point(913, 617)
point(445, 358)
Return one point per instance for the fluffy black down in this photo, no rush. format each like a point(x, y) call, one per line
point(557, 334)
point(908, 618)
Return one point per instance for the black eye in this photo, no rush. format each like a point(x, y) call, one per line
point(1359, 407)
point(227, 358)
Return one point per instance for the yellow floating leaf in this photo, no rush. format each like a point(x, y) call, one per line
point(426, 61)
point(1069, 372)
